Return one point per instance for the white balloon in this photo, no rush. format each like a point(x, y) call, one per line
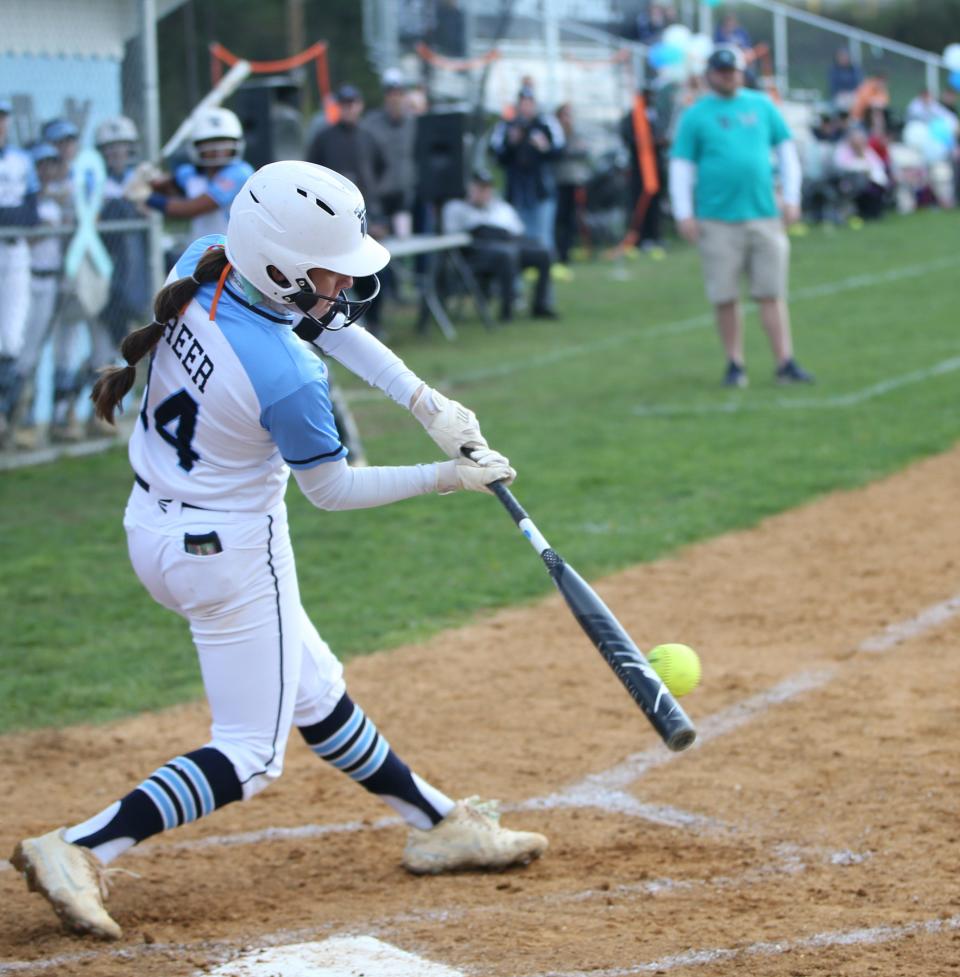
point(951, 57)
point(916, 135)
point(700, 46)
point(677, 35)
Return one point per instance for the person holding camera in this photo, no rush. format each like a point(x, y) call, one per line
point(526, 146)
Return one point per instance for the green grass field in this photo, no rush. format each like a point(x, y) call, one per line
point(626, 445)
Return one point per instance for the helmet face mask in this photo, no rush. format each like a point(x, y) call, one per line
point(216, 139)
point(293, 217)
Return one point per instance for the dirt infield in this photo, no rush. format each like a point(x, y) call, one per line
point(813, 831)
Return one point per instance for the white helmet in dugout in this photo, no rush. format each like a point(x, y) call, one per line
point(216, 138)
point(117, 129)
point(296, 216)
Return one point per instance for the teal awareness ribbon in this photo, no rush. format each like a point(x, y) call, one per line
point(89, 180)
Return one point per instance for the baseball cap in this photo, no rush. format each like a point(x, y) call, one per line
point(59, 129)
point(6, 106)
point(43, 150)
point(482, 175)
point(348, 93)
point(393, 79)
point(727, 58)
point(526, 92)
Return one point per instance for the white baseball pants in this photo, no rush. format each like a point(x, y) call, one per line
point(263, 663)
point(14, 295)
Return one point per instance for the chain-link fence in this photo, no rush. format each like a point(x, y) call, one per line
point(75, 254)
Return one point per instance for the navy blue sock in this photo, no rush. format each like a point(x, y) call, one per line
point(349, 740)
point(188, 787)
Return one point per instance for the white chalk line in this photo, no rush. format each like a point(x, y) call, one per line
point(832, 402)
point(926, 620)
point(559, 355)
point(787, 862)
point(609, 783)
point(693, 958)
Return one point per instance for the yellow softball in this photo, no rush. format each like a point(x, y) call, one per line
point(678, 666)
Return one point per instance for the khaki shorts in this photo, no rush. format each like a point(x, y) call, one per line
point(759, 248)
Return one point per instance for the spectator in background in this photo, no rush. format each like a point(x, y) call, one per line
point(449, 35)
point(572, 172)
point(730, 33)
point(650, 23)
point(722, 149)
point(357, 154)
point(648, 233)
point(526, 147)
point(116, 139)
point(18, 208)
point(843, 80)
point(925, 108)
point(872, 93)
point(395, 129)
point(499, 247)
point(863, 177)
point(46, 273)
point(353, 151)
point(73, 312)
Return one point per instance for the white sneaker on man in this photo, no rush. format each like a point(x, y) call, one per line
point(71, 879)
point(470, 836)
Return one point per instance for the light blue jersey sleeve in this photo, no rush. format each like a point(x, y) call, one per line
point(302, 427)
point(227, 183)
point(182, 174)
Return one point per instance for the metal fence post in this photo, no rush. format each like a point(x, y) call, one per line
point(151, 126)
point(781, 54)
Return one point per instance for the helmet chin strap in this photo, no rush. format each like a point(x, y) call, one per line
point(340, 304)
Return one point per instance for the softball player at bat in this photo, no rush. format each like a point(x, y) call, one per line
point(234, 402)
point(204, 188)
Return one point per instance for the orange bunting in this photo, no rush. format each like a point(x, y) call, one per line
point(456, 64)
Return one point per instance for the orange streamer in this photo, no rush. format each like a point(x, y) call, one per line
point(456, 64)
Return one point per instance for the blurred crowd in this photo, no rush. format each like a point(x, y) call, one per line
point(534, 192)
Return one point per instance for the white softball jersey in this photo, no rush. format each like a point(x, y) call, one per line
point(231, 403)
point(17, 179)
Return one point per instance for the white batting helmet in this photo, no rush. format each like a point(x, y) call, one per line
point(297, 216)
point(117, 129)
point(221, 133)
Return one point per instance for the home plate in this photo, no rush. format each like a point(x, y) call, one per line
point(340, 956)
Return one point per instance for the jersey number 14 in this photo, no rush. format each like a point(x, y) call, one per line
point(176, 422)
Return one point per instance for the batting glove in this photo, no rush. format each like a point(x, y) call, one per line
point(450, 424)
point(467, 474)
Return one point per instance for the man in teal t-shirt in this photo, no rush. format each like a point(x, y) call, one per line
point(722, 193)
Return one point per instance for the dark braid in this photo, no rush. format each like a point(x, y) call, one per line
point(115, 382)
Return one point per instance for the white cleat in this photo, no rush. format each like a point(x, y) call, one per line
point(71, 879)
point(470, 836)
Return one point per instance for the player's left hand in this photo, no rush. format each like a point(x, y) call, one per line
point(141, 183)
point(451, 425)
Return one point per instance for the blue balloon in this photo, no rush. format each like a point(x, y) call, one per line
point(955, 80)
point(663, 54)
point(941, 130)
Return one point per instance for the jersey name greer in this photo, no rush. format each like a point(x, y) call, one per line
point(192, 357)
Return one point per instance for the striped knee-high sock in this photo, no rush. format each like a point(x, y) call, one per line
point(188, 787)
point(349, 740)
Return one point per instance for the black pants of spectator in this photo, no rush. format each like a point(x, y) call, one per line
point(649, 229)
point(870, 201)
point(566, 229)
point(504, 260)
